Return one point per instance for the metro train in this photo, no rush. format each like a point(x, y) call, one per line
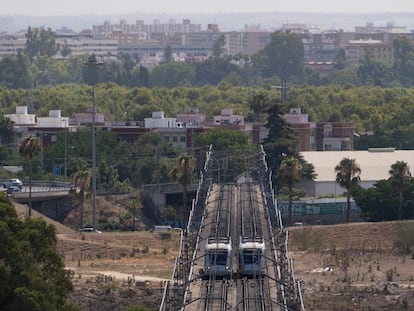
point(218, 254)
point(251, 256)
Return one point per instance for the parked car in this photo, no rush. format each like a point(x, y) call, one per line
point(13, 182)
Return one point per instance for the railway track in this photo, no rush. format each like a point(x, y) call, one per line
point(239, 254)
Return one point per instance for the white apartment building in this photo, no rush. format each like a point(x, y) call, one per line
point(228, 118)
point(22, 118)
point(54, 120)
point(357, 50)
point(10, 47)
point(81, 46)
point(159, 121)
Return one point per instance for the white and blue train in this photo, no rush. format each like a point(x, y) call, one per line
point(251, 256)
point(218, 254)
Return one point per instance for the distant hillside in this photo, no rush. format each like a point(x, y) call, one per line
point(226, 21)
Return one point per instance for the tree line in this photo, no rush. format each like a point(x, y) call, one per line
point(384, 114)
point(280, 63)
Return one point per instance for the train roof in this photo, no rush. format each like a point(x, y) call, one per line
point(219, 239)
point(252, 243)
point(247, 239)
point(218, 243)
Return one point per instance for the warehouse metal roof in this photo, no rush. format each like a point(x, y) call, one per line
point(375, 163)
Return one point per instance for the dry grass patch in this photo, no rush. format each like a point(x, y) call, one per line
point(353, 265)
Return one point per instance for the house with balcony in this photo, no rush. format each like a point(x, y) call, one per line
point(22, 118)
point(169, 128)
point(86, 118)
point(193, 118)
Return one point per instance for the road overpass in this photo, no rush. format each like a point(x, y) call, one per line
point(51, 198)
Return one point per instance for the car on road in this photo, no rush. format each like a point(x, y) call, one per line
point(88, 229)
point(15, 182)
point(12, 189)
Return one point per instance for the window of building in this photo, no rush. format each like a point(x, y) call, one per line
point(183, 139)
point(175, 139)
point(167, 138)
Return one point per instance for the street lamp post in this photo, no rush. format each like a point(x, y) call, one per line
point(93, 158)
point(92, 77)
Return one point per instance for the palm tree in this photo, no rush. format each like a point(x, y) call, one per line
point(400, 174)
point(258, 104)
point(82, 181)
point(347, 176)
point(30, 147)
point(184, 174)
point(290, 172)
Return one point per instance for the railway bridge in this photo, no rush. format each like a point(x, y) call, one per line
point(234, 253)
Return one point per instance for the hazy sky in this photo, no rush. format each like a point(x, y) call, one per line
point(110, 7)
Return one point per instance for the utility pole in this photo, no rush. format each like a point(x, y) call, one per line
point(91, 75)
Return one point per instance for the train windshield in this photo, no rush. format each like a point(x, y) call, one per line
point(218, 257)
point(251, 256)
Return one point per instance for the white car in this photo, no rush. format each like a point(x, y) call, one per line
point(13, 182)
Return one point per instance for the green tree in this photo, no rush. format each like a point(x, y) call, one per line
point(82, 182)
point(40, 41)
point(280, 141)
point(168, 57)
point(29, 148)
point(399, 176)
point(339, 59)
point(6, 130)
point(378, 202)
point(171, 74)
point(224, 139)
point(290, 173)
point(283, 56)
point(404, 58)
point(213, 71)
point(373, 72)
point(32, 273)
point(65, 49)
point(14, 72)
point(218, 47)
point(258, 103)
point(148, 160)
point(347, 176)
point(230, 148)
point(143, 76)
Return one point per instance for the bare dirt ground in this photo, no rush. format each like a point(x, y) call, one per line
point(342, 267)
point(352, 267)
point(114, 270)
